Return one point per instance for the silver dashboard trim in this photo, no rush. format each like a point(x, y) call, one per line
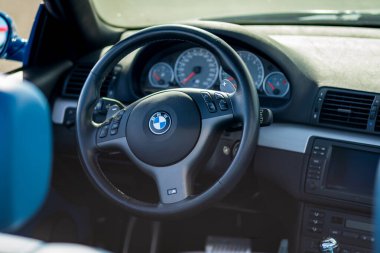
point(289, 137)
point(294, 137)
point(59, 108)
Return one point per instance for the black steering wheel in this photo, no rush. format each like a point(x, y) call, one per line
point(170, 134)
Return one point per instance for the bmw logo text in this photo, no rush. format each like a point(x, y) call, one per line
point(160, 122)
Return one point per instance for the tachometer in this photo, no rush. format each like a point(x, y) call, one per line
point(276, 85)
point(161, 75)
point(254, 65)
point(196, 68)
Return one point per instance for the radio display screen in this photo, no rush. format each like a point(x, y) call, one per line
point(359, 225)
point(352, 171)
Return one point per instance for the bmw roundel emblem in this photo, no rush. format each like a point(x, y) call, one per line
point(160, 122)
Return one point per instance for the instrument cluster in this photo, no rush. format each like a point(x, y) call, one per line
point(197, 67)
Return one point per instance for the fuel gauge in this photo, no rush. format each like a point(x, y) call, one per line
point(276, 85)
point(161, 75)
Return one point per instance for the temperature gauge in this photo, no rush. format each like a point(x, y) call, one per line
point(223, 75)
point(276, 85)
point(161, 75)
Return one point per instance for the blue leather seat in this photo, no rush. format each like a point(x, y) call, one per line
point(25, 165)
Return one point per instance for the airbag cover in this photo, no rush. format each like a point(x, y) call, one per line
point(180, 132)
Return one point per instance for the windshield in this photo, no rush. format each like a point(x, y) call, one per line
point(141, 13)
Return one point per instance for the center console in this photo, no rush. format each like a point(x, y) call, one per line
point(339, 171)
point(353, 232)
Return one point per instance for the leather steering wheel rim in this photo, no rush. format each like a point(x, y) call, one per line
point(243, 106)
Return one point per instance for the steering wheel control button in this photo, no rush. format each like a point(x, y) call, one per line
point(206, 97)
point(112, 110)
point(211, 107)
point(172, 191)
point(119, 115)
point(115, 125)
point(160, 122)
point(104, 131)
point(218, 96)
point(223, 106)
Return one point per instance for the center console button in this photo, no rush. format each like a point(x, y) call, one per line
point(350, 235)
point(314, 171)
point(365, 237)
point(316, 222)
point(315, 229)
point(337, 220)
point(313, 176)
point(316, 161)
point(335, 232)
point(317, 214)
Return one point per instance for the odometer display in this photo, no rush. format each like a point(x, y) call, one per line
point(196, 68)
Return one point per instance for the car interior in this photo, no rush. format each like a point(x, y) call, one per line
point(151, 127)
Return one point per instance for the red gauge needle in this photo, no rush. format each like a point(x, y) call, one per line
point(3, 28)
point(230, 78)
point(191, 75)
point(271, 86)
point(155, 76)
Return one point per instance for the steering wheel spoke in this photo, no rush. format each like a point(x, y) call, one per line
point(173, 183)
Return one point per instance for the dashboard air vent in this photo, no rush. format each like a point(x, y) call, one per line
point(77, 77)
point(346, 109)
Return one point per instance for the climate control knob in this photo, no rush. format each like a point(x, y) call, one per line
point(329, 245)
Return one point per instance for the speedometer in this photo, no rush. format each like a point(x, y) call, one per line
point(196, 68)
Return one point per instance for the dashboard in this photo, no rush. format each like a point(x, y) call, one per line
point(321, 84)
point(182, 65)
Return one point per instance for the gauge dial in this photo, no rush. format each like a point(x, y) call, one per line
point(161, 75)
point(228, 84)
point(223, 75)
point(254, 65)
point(276, 85)
point(196, 68)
